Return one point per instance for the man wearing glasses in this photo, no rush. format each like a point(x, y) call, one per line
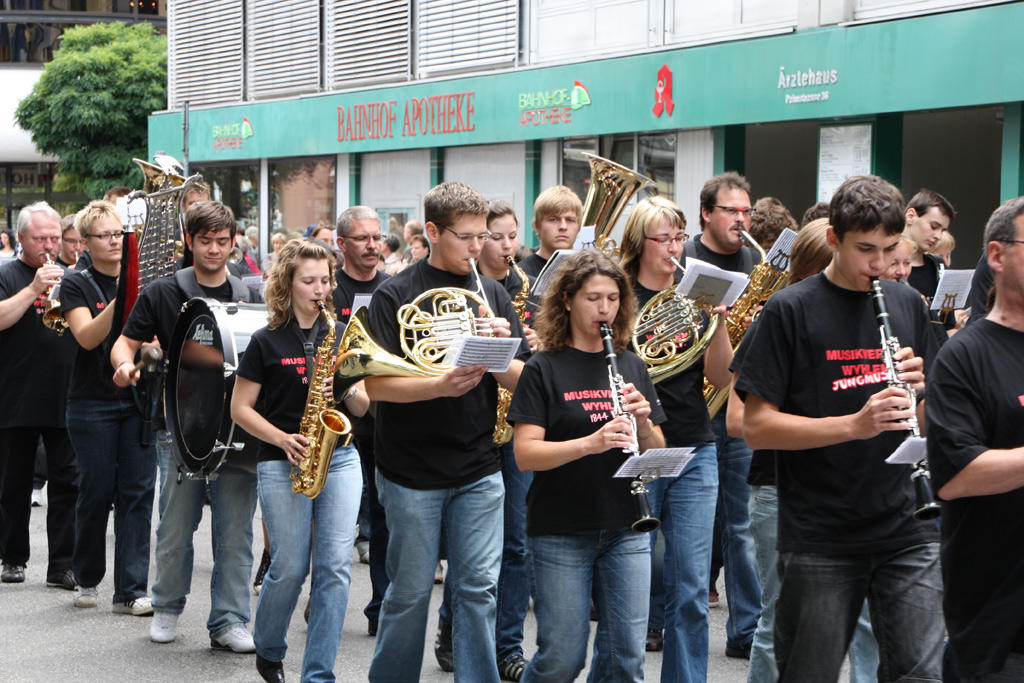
point(360, 240)
point(725, 211)
point(33, 399)
point(70, 244)
point(437, 467)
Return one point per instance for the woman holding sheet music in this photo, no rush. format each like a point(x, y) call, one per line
point(578, 515)
point(652, 246)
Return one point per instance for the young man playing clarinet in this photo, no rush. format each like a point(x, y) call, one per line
point(815, 387)
point(437, 467)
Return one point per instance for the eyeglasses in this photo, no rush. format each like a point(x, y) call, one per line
point(1012, 241)
point(363, 239)
point(105, 236)
point(481, 238)
point(71, 240)
point(665, 240)
point(734, 211)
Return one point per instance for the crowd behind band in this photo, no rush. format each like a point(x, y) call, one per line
point(786, 490)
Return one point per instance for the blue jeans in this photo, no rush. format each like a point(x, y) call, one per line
point(114, 470)
point(232, 505)
point(863, 650)
point(686, 507)
point(471, 519)
point(741, 582)
point(614, 568)
point(378, 529)
point(822, 595)
point(323, 527)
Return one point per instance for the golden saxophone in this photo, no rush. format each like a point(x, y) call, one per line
point(53, 318)
point(502, 429)
point(322, 424)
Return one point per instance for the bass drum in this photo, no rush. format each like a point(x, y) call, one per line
point(207, 344)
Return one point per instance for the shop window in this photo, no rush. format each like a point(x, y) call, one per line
point(236, 187)
point(575, 166)
point(657, 161)
point(301, 194)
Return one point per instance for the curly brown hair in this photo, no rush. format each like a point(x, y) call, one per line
point(278, 293)
point(553, 326)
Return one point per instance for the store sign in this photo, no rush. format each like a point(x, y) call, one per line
point(805, 79)
point(232, 135)
point(433, 115)
point(552, 106)
point(663, 92)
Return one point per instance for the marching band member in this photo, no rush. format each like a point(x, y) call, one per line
point(579, 517)
point(653, 237)
point(277, 367)
point(116, 460)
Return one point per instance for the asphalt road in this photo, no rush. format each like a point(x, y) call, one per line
point(44, 637)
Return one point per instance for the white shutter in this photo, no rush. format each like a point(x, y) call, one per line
point(461, 34)
point(366, 39)
point(283, 47)
point(865, 10)
point(204, 52)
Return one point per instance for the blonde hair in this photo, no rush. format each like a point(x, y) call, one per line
point(93, 211)
point(278, 293)
point(648, 212)
point(811, 253)
point(945, 245)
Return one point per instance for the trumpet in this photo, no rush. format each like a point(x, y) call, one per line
point(53, 318)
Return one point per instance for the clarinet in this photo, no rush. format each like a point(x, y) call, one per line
point(645, 520)
point(926, 508)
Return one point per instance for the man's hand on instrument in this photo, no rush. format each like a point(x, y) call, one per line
point(635, 403)
point(47, 276)
point(881, 414)
point(532, 339)
point(496, 327)
point(910, 368)
point(125, 375)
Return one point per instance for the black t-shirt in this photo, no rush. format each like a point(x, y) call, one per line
point(443, 442)
point(762, 461)
point(981, 283)
point(976, 403)
point(93, 376)
point(344, 294)
point(37, 361)
point(743, 261)
point(276, 360)
point(682, 397)
point(533, 264)
point(568, 394)
point(513, 285)
point(925, 279)
point(817, 353)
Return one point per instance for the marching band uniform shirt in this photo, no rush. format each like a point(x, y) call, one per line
point(762, 462)
point(739, 262)
point(93, 377)
point(976, 403)
point(533, 264)
point(444, 442)
point(32, 394)
point(276, 359)
point(568, 394)
point(682, 396)
point(817, 353)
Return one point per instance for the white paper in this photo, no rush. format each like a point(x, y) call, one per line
point(545, 274)
point(253, 281)
point(496, 353)
point(54, 293)
point(952, 291)
point(586, 238)
point(910, 452)
point(719, 286)
point(779, 255)
point(132, 213)
point(843, 151)
point(665, 462)
point(361, 301)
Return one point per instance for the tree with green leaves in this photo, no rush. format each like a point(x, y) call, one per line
point(90, 106)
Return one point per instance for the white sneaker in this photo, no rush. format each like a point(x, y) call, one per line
point(164, 627)
point(238, 639)
point(86, 597)
point(139, 607)
point(37, 498)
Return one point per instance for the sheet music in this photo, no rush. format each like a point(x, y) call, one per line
point(544, 276)
point(779, 255)
point(667, 462)
point(132, 213)
point(253, 281)
point(953, 289)
point(496, 353)
point(586, 238)
point(361, 301)
point(710, 285)
point(910, 452)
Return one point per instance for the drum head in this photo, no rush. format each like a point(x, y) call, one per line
point(200, 375)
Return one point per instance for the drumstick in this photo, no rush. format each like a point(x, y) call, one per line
point(149, 356)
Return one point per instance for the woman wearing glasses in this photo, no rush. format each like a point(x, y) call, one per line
point(106, 430)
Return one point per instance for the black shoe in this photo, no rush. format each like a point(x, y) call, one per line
point(655, 640)
point(738, 652)
point(63, 579)
point(13, 573)
point(443, 648)
point(512, 668)
point(257, 583)
point(371, 626)
point(271, 672)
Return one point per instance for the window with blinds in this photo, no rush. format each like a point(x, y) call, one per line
point(463, 34)
point(366, 39)
point(204, 52)
point(282, 47)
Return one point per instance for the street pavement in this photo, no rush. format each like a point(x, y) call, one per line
point(45, 638)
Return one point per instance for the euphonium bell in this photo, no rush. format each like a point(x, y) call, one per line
point(612, 186)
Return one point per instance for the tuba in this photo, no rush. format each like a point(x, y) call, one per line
point(502, 429)
point(322, 424)
point(53, 318)
point(765, 279)
point(612, 186)
point(667, 319)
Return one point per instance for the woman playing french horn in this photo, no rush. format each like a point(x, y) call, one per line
point(652, 251)
point(275, 369)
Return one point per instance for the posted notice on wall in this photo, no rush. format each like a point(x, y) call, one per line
point(843, 151)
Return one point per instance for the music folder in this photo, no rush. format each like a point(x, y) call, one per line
point(665, 462)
